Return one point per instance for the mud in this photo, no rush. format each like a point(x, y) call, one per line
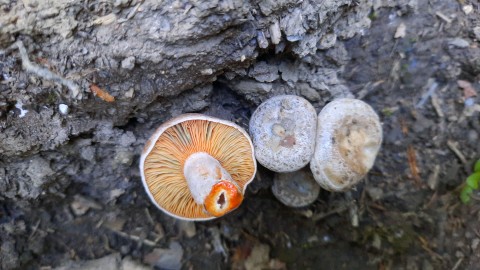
point(70, 190)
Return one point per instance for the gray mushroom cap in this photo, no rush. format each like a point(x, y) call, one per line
point(349, 136)
point(295, 189)
point(283, 133)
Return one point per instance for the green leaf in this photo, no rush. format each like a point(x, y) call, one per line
point(476, 168)
point(465, 194)
point(473, 180)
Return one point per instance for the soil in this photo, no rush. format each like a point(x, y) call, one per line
point(70, 190)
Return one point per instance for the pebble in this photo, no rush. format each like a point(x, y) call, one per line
point(467, 9)
point(63, 108)
point(110, 262)
point(375, 193)
point(187, 227)
point(401, 31)
point(275, 33)
point(476, 32)
point(81, 205)
point(475, 243)
point(264, 72)
point(128, 63)
point(459, 43)
point(259, 257)
point(170, 258)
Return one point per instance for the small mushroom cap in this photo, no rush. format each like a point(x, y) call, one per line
point(349, 136)
point(164, 155)
point(283, 133)
point(295, 189)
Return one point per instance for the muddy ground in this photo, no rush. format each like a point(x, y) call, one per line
point(70, 191)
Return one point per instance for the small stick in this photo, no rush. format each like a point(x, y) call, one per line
point(412, 161)
point(457, 152)
point(436, 105)
point(131, 13)
point(443, 17)
point(136, 238)
point(43, 72)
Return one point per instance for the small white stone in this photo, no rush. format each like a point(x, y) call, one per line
point(19, 105)
point(128, 63)
point(207, 71)
point(63, 108)
point(129, 93)
point(401, 31)
point(467, 9)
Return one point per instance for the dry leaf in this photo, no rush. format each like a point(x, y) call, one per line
point(99, 92)
point(468, 90)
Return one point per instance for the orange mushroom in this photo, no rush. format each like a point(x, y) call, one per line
point(197, 167)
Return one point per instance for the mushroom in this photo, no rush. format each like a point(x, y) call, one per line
point(295, 189)
point(349, 136)
point(197, 167)
point(283, 133)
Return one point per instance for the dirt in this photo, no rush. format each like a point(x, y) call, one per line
point(70, 190)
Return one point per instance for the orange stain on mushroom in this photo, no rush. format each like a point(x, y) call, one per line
point(223, 198)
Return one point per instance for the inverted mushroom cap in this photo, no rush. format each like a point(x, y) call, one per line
point(283, 133)
point(219, 163)
point(295, 189)
point(349, 136)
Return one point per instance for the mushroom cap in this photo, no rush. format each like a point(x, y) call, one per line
point(164, 155)
point(349, 136)
point(283, 133)
point(295, 189)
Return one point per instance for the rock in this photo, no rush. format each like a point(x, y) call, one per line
point(129, 264)
point(289, 72)
point(476, 32)
point(170, 258)
point(264, 72)
point(252, 87)
point(327, 41)
point(109, 262)
point(63, 109)
point(81, 205)
point(375, 193)
point(8, 255)
point(258, 258)
point(401, 31)
point(295, 189)
point(308, 92)
point(187, 227)
point(128, 63)
point(39, 171)
point(275, 34)
point(459, 43)
point(475, 243)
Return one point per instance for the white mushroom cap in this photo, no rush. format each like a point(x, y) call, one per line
point(295, 189)
point(283, 133)
point(349, 136)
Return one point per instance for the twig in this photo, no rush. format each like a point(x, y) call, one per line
point(452, 145)
point(337, 210)
point(45, 73)
point(412, 162)
point(443, 17)
point(436, 105)
point(131, 13)
point(149, 217)
point(35, 228)
point(457, 264)
point(136, 238)
point(424, 245)
point(432, 86)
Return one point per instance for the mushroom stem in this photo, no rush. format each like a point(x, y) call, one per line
point(211, 185)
